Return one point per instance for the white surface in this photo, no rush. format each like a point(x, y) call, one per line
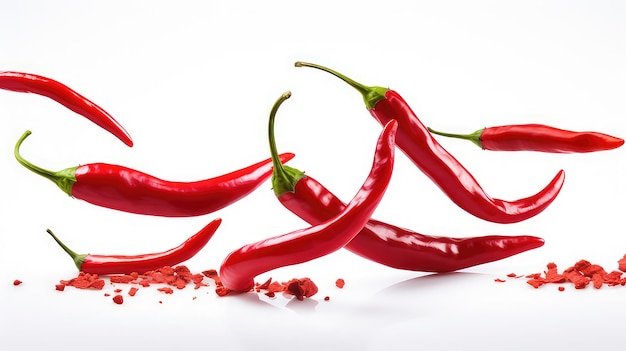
point(193, 83)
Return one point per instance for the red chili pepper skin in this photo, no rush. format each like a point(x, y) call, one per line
point(126, 264)
point(384, 243)
point(538, 137)
point(238, 270)
point(402, 248)
point(128, 190)
point(440, 166)
point(64, 95)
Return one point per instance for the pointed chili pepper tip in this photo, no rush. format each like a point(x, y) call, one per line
point(77, 258)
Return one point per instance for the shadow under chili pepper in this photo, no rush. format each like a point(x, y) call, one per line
point(417, 292)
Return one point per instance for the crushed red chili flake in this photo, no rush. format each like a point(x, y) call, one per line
point(582, 274)
point(118, 299)
point(326, 298)
point(17, 282)
point(301, 288)
point(561, 288)
point(512, 275)
point(133, 291)
point(498, 280)
point(166, 290)
point(85, 281)
point(59, 287)
point(340, 283)
point(107, 294)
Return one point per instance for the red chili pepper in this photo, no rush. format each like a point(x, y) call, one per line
point(32, 83)
point(123, 264)
point(537, 137)
point(238, 270)
point(439, 165)
point(385, 243)
point(129, 190)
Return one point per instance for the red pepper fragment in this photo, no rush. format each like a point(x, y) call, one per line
point(118, 299)
point(166, 290)
point(85, 281)
point(133, 291)
point(17, 282)
point(340, 283)
point(301, 288)
point(498, 280)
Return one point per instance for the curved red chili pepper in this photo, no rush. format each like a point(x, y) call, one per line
point(439, 165)
point(126, 264)
point(238, 270)
point(32, 83)
point(385, 243)
point(129, 190)
point(537, 137)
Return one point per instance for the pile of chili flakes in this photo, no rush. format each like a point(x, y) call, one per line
point(180, 277)
point(582, 274)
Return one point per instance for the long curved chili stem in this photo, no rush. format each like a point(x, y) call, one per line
point(537, 137)
point(127, 264)
point(385, 243)
point(64, 179)
point(284, 177)
point(125, 189)
point(238, 270)
point(439, 165)
point(64, 95)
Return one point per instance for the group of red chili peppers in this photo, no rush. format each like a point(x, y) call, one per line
point(334, 224)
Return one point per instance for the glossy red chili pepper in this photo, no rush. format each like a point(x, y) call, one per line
point(439, 165)
point(129, 190)
point(126, 264)
point(385, 243)
point(537, 137)
point(59, 92)
point(238, 270)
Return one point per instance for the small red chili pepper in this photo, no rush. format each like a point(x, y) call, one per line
point(537, 137)
point(129, 190)
point(439, 165)
point(32, 83)
point(123, 264)
point(385, 243)
point(238, 270)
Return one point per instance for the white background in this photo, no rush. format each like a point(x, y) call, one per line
point(193, 82)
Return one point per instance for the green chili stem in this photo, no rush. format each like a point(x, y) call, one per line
point(284, 178)
point(371, 94)
point(64, 179)
point(473, 137)
point(77, 258)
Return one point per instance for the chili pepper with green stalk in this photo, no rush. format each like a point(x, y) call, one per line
point(125, 189)
point(385, 243)
point(238, 270)
point(537, 137)
point(64, 95)
point(439, 165)
point(127, 264)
